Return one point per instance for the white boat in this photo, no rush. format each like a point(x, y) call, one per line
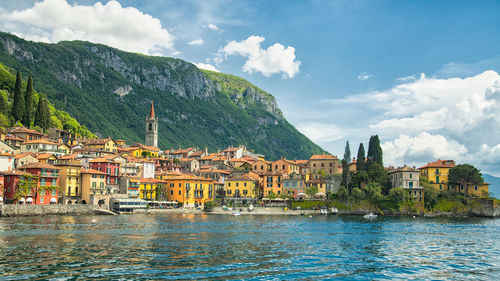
point(334, 211)
point(250, 208)
point(324, 211)
point(236, 214)
point(370, 216)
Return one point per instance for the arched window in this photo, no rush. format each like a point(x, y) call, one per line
point(150, 126)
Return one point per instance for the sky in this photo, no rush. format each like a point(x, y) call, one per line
point(423, 75)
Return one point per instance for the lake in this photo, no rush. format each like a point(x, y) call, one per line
point(201, 246)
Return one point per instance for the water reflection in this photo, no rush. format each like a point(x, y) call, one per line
point(261, 247)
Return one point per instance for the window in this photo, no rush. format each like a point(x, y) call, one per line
point(276, 167)
point(475, 187)
point(279, 192)
point(245, 184)
point(255, 167)
point(94, 185)
point(437, 171)
point(262, 167)
point(237, 184)
point(229, 184)
point(42, 192)
point(245, 192)
point(437, 179)
point(314, 165)
point(179, 192)
point(180, 185)
point(322, 165)
point(411, 184)
point(53, 192)
point(41, 200)
point(441, 187)
point(229, 191)
point(283, 167)
point(411, 175)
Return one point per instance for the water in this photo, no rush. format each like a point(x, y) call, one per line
point(136, 247)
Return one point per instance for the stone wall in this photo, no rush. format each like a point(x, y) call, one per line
point(11, 210)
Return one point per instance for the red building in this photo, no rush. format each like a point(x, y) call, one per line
point(110, 167)
point(47, 186)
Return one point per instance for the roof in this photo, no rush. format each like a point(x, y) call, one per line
point(152, 180)
point(219, 158)
point(220, 171)
point(14, 173)
point(152, 111)
point(301, 162)
point(440, 164)
point(21, 155)
point(44, 156)
point(231, 149)
point(92, 171)
point(152, 148)
point(14, 138)
point(101, 160)
point(241, 178)
point(197, 153)
point(403, 169)
point(42, 141)
point(323, 157)
point(24, 130)
point(69, 156)
point(96, 141)
point(182, 151)
point(38, 165)
point(209, 156)
point(6, 154)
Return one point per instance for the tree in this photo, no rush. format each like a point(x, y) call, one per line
point(311, 191)
point(39, 118)
point(375, 151)
point(357, 194)
point(430, 195)
point(360, 178)
point(377, 174)
point(46, 114)
point(346, 179)
point(29, 103)
point(18, 105)
point(465, 175)
point(360, 164)
point(343, 193)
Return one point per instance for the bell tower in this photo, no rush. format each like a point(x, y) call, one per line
point(152, 128)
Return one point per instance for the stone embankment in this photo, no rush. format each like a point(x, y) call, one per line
point(7, 210)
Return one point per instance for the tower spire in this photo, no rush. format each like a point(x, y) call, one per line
point(152, 112)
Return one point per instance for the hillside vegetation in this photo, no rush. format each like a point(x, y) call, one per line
point(109, 91)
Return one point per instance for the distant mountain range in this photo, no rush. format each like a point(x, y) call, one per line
point(494, 184)
point(109, 91)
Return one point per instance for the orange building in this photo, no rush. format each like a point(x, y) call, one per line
point(323, 162)
point(273, 183)
point(286, 166)
point(189, 190)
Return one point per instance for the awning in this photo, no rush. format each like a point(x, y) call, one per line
point(1, 199)
point(22, 200)
point(29, 200)
point(302, 194)
point(320, 194)
point(53, 200)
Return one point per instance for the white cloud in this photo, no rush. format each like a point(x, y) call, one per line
point(197, 42)
point(206, 66)
point(212, 26)
point(320, 132)
point(273, 60)
point(364, 76)
point(421, 149)
point(125, 28)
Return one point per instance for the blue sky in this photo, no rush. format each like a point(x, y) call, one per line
point(421, 74)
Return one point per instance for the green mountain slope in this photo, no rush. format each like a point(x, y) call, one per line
point(58, 118)
point(109, 91)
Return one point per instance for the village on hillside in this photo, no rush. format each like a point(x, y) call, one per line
point(61, 168)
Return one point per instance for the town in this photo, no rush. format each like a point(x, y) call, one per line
point(61, 168)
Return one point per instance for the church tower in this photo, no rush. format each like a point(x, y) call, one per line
point(152, 128)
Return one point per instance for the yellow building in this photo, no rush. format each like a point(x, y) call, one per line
point(105, 145)
point(436, 173)
point(478, 190)
point(70, 170)
point(241, 189)
point(190, 190)
point(93, 186)
point(142, 151)
point(152, 189)
point(65, 149)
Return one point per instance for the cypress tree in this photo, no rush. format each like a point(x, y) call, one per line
point(345, 165)
point(29, 103)
point(360, 164)
point(375, 154)
point(18, 106)
point(38, 113)
point(46, 114)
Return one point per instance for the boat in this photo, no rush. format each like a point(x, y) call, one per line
point(236, 214)
point(334, 211)
point(370, 216)
point(250, 208)
point(324, 211)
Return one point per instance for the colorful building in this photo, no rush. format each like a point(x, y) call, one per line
point(110, 167)
point(323, 163)
point(241, 189)
point(152, 189)
point(93, 187)
point(70, 171)
point(273, 183)
point(436, 173)
point(286, 166)
point(190, 190)
point(47, 183)
point(409, 179)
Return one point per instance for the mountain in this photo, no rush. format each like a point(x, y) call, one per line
point(109, 91)
point(494, 184)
